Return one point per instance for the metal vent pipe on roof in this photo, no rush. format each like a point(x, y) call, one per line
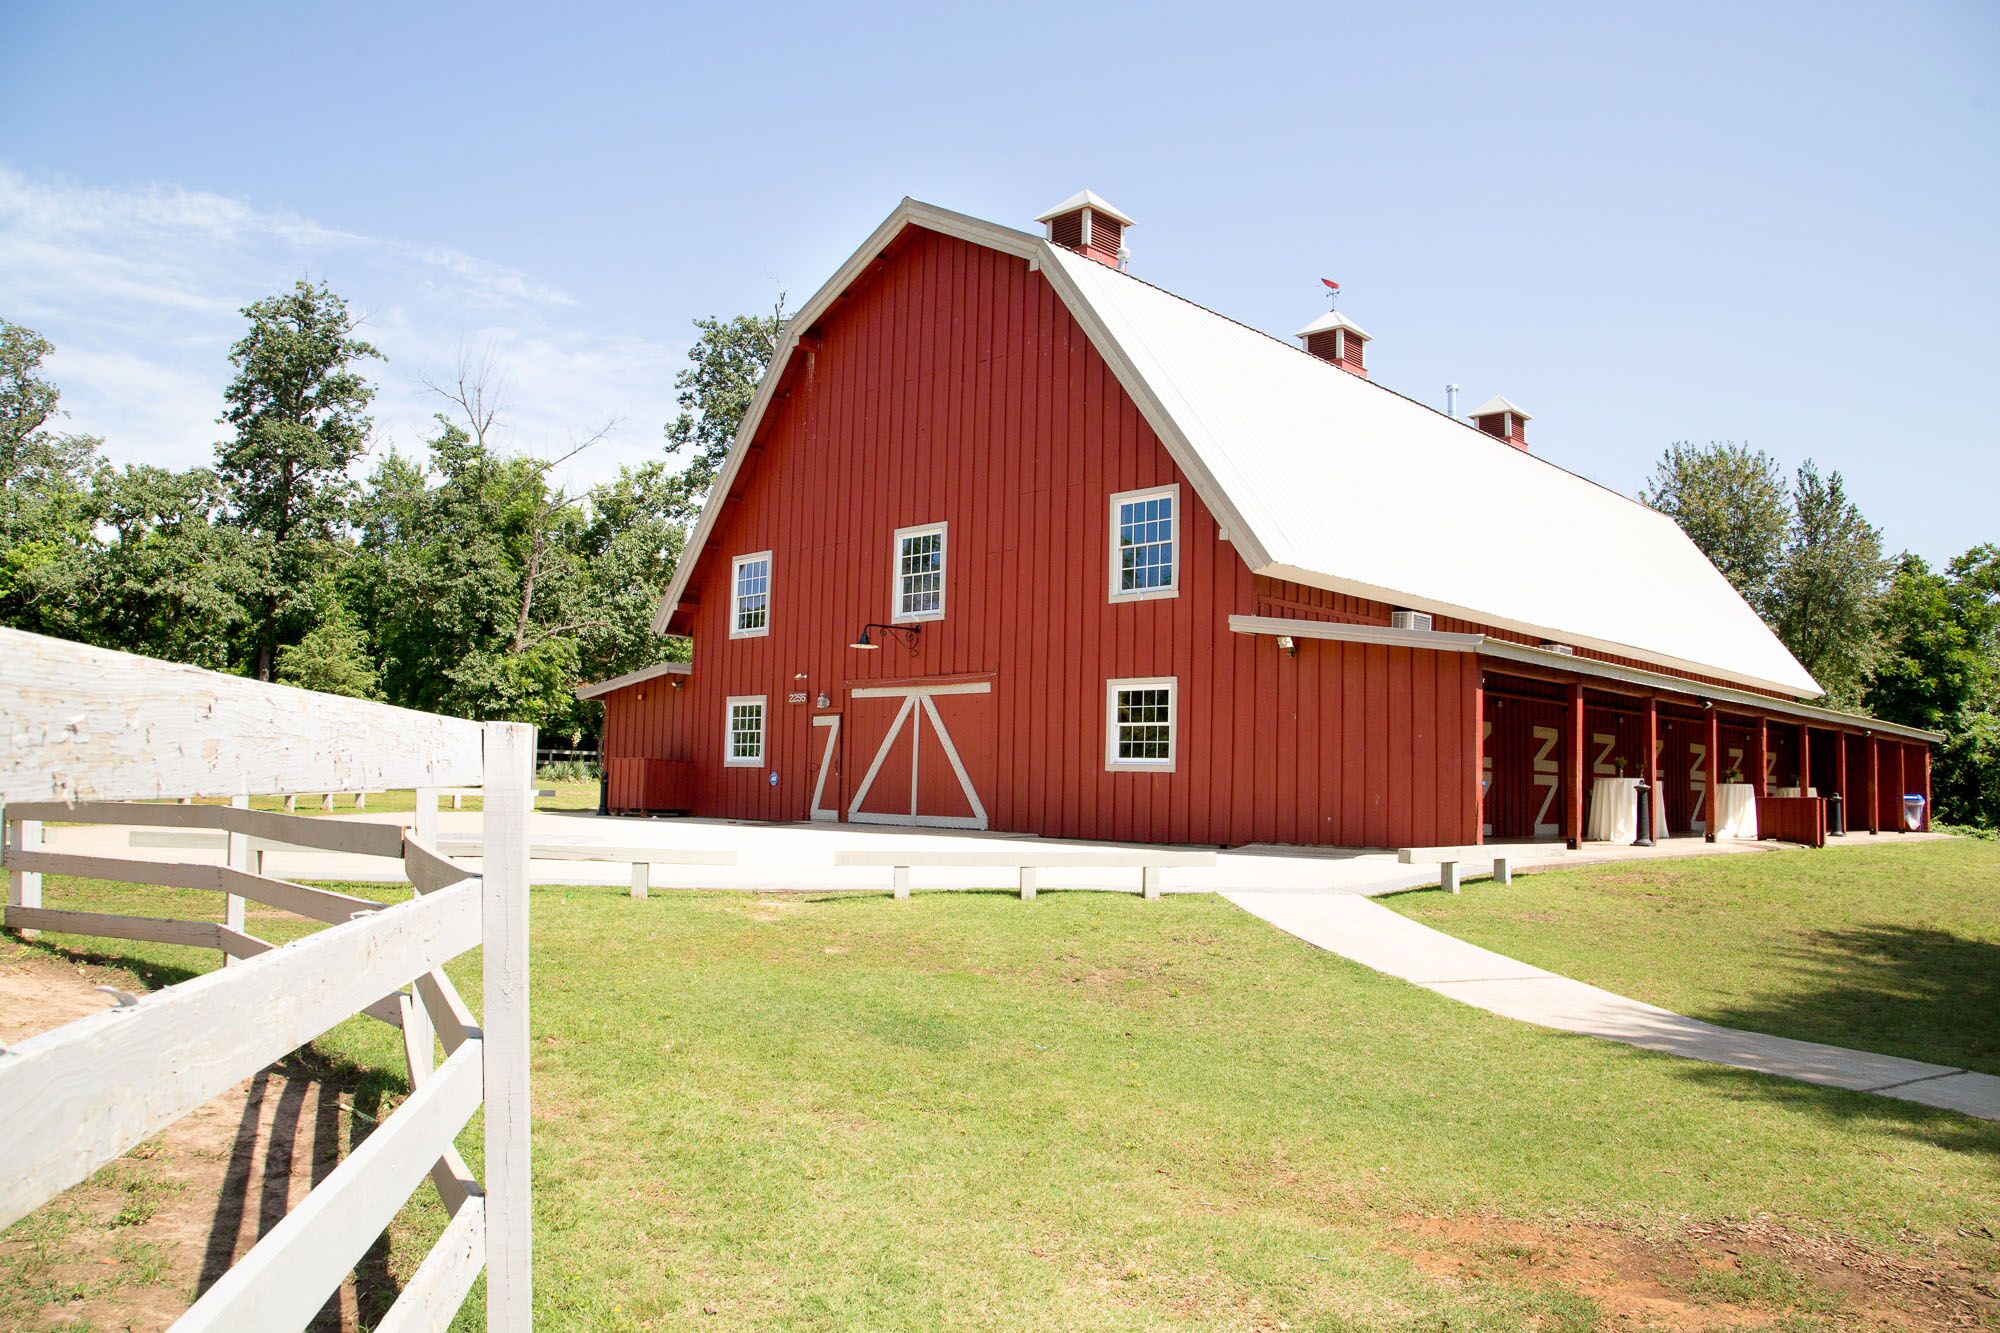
point(1451, 401)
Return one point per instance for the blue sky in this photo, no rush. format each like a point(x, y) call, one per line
point(1769, 223)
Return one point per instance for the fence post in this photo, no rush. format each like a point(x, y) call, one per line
point(24, 887)
point(237, 857)
point(509, 796)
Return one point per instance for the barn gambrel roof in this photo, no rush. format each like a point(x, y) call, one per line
point(1326, 479)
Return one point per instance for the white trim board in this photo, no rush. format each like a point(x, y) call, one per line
point(1176, 526)
point(729, 706)
point(948, 687)
point(814, 810)
point(915, 698)
point(898, 616)
point(736, 563)
point(1501, 649)
point(1112, 762)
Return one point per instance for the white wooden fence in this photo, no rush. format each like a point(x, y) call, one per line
point(87, 736)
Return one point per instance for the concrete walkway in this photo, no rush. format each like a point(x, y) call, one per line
point(1376, 937)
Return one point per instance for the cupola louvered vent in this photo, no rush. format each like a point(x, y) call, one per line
point(1089, 225)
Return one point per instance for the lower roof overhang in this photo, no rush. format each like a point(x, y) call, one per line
point(639, 677)
point(1635, 680)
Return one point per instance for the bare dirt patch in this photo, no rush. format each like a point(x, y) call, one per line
point(1703, 1276)
point(131, 1247)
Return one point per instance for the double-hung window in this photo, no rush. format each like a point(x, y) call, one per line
point(919, 573)
point(750, 595)
point(1145, 544)
point(1141, 724)
point(743, 731)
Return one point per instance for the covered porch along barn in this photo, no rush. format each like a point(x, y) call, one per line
point(1562, 754)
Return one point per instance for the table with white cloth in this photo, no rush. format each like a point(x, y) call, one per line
point(1736, 810)
point(1614, 811)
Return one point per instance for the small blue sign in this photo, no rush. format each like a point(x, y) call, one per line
point(774, 777)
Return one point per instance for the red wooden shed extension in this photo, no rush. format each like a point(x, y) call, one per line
point(1011, 539)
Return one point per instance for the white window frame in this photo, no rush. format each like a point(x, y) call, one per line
point(735, 604)
point(1173, 589)
point(730, 759)
point(898, 616)
point(1112, 762)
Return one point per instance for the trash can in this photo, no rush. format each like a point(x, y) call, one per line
point(1836, 816)
point(1913, 811)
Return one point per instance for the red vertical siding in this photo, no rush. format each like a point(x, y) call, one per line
point(951, 385)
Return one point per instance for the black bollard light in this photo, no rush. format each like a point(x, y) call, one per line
point(1645, 792)
point(1836, 815)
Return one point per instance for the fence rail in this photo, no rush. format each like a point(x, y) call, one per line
point(96, 737)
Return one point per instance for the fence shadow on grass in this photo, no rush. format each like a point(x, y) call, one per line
point(288, 1139)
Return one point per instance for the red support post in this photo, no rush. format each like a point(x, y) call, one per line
point(1927, 787)
point(1651, 767)
point(1712, 797)
point(1805, 760)
point(1761, 757)
point(1478, 734)
point(1840, 779)
point(1874, 784)
point(1902, 785)
point(1573, 760)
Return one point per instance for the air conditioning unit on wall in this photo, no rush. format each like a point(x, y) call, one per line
point(1418, 620)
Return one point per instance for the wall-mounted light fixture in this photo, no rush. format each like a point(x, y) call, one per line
point(1289, 645)
point(907, 633)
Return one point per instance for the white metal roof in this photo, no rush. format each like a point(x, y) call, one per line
point(1331, 320)
point(1496, 404)
point(1091, 200)
point(1323, 478)
point(1342, 484)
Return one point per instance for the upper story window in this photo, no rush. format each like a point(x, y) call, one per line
point(1145, 544)
point(750, 595)
point(743, 735)
point(1141, 723)
point(919, 573)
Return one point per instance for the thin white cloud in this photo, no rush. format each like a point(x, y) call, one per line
point(141, 291)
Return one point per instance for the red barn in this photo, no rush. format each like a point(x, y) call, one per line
point(1012, 539)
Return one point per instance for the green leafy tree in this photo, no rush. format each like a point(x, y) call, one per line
point(1939, 668)
point(298, 405)
point(1732, 504)
point(727, 361)
point(1824, 598)
point(173, 580)
point(629, 546)
point(47, 511)
point(334, 657)
point(437, 577)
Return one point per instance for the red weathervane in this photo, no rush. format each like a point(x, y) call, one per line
point(1333, 292)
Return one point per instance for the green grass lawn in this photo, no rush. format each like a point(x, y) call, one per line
point(1093, 1112)
point(1889, 948)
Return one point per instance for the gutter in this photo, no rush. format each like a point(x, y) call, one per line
point(1504, 650)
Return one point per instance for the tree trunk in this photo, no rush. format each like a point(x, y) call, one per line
point(528, 592)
